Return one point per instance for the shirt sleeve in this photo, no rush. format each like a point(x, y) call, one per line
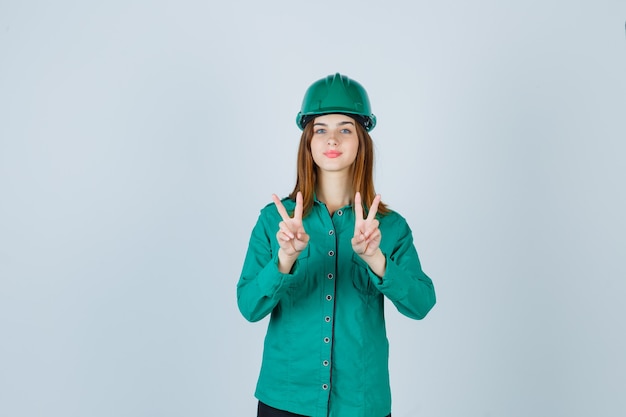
point(404, 282)
point(261, 285)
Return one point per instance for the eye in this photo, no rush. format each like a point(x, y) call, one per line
point(346, 131)
point(320, 131)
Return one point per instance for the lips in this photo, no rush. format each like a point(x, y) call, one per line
point(332, 154)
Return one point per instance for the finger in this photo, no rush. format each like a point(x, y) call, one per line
point(282, 236)
point(375, 236)
point(370, 228)
point(284, 228)
point(358, 207)
point(281, 209)
point(302, 237)
point(357, 244)
point(297, 214)
point(359, 236)
point(374, 208)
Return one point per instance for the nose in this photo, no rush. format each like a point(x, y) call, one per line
point(331, 140)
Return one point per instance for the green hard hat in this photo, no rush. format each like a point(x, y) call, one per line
point(336, 94)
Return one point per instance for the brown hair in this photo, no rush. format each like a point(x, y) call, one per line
point(362, 169)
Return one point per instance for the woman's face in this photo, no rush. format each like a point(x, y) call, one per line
point(335, 143)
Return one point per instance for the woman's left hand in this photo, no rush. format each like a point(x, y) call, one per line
point(367, 236)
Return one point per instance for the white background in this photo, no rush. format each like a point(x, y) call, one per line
point(139, 139)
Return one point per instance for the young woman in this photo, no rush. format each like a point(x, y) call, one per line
point(321, 261)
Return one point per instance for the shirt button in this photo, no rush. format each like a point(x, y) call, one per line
point(330, 276)
point(325, 363)
point(331, 232)
point(339, 212)
point(324, 387)
point(329, 297)
point(331, 253)
point(327, 318)
point(326, 339)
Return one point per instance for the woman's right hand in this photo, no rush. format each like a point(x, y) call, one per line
point(292, 238)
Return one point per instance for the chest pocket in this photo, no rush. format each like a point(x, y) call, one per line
point(361, 277)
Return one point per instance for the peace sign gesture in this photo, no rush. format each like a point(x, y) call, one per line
point(367, 235)
point(291, 235)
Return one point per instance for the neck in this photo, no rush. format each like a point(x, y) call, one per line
point(334, 190)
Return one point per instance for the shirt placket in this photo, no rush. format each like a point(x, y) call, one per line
point(329, 305)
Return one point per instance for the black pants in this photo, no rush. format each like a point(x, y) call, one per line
point(267, 411)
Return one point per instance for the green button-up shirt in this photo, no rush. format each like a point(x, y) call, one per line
point(326, 350)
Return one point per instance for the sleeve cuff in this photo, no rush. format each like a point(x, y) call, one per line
point(272, 282)
point(393, 288)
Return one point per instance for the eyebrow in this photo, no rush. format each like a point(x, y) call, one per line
point(338, 124)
